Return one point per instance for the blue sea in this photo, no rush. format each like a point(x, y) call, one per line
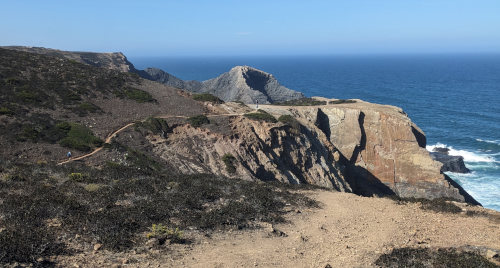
point(455, 99)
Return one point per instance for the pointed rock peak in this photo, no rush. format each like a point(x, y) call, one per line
point(248, 69)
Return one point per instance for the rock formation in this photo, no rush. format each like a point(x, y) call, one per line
point(249, 85)
point(360, 147)
point(452, 163)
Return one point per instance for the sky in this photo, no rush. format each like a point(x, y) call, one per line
point(257, 27)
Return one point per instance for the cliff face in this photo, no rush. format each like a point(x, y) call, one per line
point(360, 147)
point(383, 151)
point(262, 151)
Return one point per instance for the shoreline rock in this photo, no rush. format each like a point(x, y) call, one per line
point(451, 163)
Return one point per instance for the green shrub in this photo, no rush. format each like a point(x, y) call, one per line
point(77, 176)
point(155, 125)
point(79, 137)
point(302, 102)
point(206, 97)
point(29, 132)
point(198, 120)
point(340, 101)
point(134, 94)
point(162, 233)
point(229, 160)
point(261, 115)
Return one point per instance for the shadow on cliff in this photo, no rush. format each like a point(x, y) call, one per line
point(362, 181)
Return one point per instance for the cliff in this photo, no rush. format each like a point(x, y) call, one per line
point(365, 148)
point(358, 147)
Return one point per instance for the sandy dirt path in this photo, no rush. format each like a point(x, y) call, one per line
point(349, 231)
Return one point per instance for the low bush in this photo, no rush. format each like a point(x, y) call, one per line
point(198, 120)
point(340, 101)
point(207, 97)
point(261, 115)
point(124, 206)
point(425, 257)
point(162, 233)
point(155, 125)
point(302, 102)
point(79, 137)
point(229, 160)
point(134, 94)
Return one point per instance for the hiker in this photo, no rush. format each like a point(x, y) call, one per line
point(257, 107)
point(68, 154)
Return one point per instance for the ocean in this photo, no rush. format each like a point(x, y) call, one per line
point(454, 99)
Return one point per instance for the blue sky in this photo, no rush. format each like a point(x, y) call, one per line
point(272, 27)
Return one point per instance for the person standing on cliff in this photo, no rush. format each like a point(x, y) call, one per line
point(257, 107)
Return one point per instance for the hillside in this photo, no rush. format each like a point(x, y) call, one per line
point(241, 83)
point(156, 171)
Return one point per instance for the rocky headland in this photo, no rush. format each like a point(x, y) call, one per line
point(147, 151)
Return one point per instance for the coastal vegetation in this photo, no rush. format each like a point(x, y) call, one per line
point(261, 115)
point(198, 120)
point(302, 102)
point(115, 205)
point(206, 97)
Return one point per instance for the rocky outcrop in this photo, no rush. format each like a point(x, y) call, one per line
point(262, 151)
point(249, 85)
point(451, 163)
point(382, 149)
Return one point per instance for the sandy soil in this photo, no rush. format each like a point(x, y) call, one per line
point(348, 231)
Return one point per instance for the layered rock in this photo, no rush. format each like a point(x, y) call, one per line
point(263, 151)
